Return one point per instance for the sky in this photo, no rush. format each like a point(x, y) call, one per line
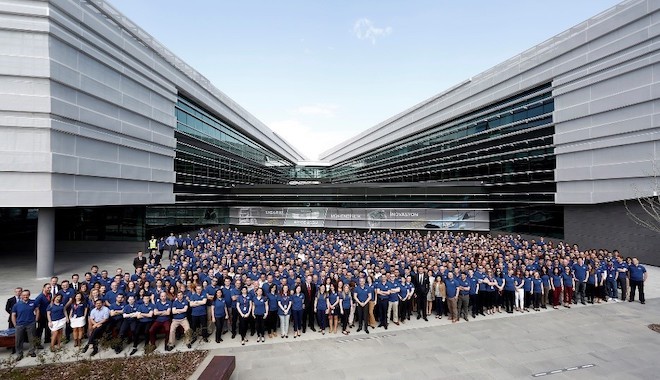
point(320, 72)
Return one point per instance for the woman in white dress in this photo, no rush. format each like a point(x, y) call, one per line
point(56, 321)
point(78, 317)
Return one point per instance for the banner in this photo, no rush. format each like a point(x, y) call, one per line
point(387, 218)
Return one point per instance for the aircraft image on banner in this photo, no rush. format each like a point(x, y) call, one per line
point(453, 222)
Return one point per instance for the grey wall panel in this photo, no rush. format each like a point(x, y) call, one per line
point(607, 226)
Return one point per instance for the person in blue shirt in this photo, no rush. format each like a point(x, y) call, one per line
point(271, 317)
point(590, 291)
point(209, 291)
point(321, 308)
point(580, 274)
point(451, 287)
point(545, 277)
point(24, 315)
point(284, 303)
point(556, 285)
point(537, 290)
point(42, 301)
point(528, 288)
point(219, 314)
point(162, 312)
point(244, 308)
point(509, 291)
point(611, 281)
point(474, 292)
point(78, 317)
point(235, 292)
point(56, 321)
point(180, 308)
point(393, 299)
point(116, 318)
point(488, 284)
point(259, 310)
point(297, 307)
point(145, 313)
point(372, 303)
point(345, 304)
point(198, 314)
point(463, 296)
point(362, 297)
point(622, 279)
point(568, 281)
point(334, 308)
point(382, 288)
point(129, 322)
point(638, 276)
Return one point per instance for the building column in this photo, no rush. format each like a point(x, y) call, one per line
point(46, 243)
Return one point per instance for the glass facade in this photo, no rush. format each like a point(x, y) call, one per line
point(508, 146)
point(210, 154)
point(125, 223)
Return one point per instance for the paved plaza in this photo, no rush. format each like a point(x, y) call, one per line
point(609, 340)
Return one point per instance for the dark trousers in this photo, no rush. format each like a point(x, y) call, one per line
point(128, 325)
point(297, 320)
point(463, 306)
point(509, 297)
point(23, 332)
point(482, 299)
point(362, 313)
point(421, 304)
point(259, 324)
point(404, 310)
point(344, 319)
point(528, 299)
point(624, 286)
point(383, 304)
point(42, 328)
point(537, 300)
point(439, 306)
point(590, 292)
point(271, 322)
point(234, 321)
point(199, 326)
point(157, 327)
point(219, 325)
point(97, 334)
point(473, 304)
point(142, 329)
point(580, 291)
point(633, 286)
point(242, 326)
point(322, 318)
point(308, 317)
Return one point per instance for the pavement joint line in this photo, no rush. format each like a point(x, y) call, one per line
point(556, 371)
point(365, 338)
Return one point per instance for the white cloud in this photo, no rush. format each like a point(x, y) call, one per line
point(327, 110)
point(364, 29)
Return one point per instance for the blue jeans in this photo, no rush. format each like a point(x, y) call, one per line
point(612, 290)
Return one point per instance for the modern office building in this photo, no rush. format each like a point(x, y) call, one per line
point(105, 135)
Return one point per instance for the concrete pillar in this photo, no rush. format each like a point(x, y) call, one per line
point(46, 243)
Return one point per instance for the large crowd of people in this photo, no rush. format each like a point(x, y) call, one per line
point(221, 283)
